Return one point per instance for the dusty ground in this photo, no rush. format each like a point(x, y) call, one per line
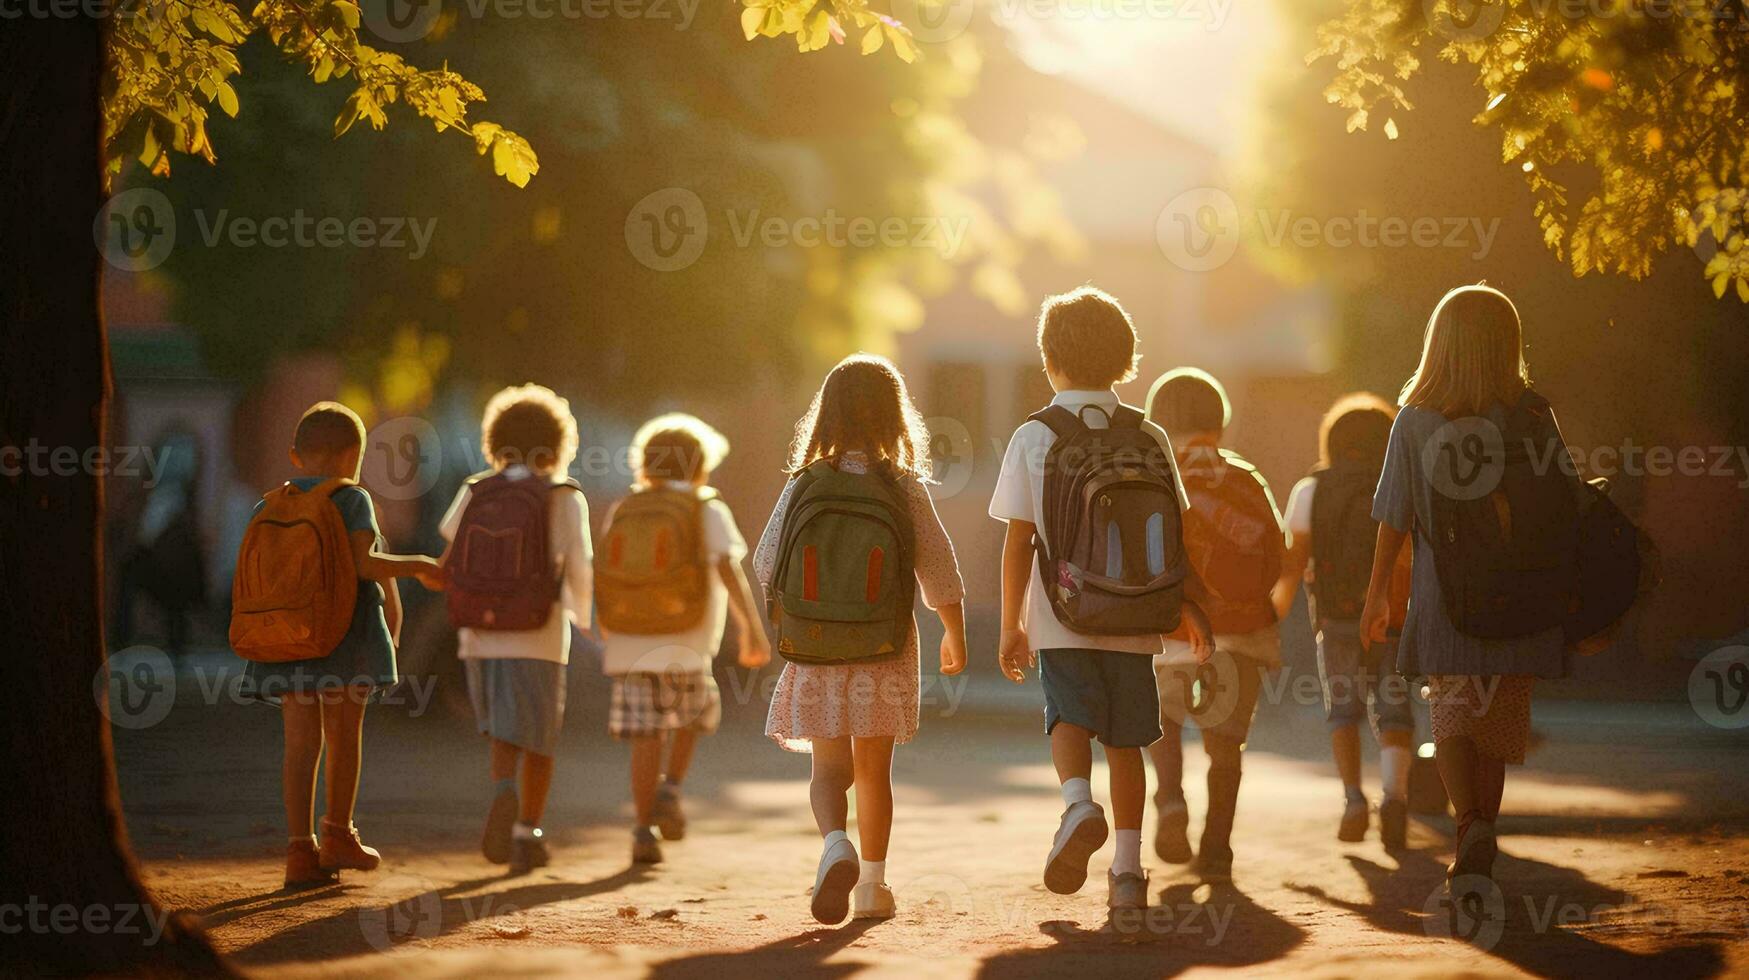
point(1626, 853)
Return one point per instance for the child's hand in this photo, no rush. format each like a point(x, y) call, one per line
point(1375, 620)
point(1015, 655)
point(755, 649)
point(431, 576)
point(953, 653)
point(1202, 636)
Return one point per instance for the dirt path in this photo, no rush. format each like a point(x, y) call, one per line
point(1595, 880)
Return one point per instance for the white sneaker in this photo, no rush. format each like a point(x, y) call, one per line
point(873, 900)
point(1082, 832)
point(838, 872)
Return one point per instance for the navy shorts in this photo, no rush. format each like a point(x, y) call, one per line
point(1359, 683)
point(1108, 692)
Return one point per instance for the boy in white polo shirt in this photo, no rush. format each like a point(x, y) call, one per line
point(1096, 686)
point(669, 574)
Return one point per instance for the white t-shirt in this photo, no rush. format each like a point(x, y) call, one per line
point(692, 651)
point(1020, 496)
point(568, 537)
point(1299, 507)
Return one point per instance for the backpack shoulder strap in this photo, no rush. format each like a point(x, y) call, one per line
point(1062, 422)
point(568, 484)
point(1127, 417)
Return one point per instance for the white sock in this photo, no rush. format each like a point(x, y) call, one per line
point(523, 831)
point(1077, 790)
point(873, 873)
point(836, 836)
point(1394, 771)
point(1128, 859)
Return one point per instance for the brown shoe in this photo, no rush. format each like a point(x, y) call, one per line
point(303, 867)
point(341, 848)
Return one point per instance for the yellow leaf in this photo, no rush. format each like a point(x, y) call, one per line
point(1719, 283)
point(228, 99)
point(1390, 129)
point(872, 41)
point(751, 19)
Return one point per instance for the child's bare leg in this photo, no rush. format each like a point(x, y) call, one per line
point(873, 767)
point(343, 725)
point(834, 774)
point(537, 781)
point(685, 740)
point(1345, 746)
point(302, 717)
point(1167, 751)
point(1072, 751)
point(1490, 785)
point(646, 769)
point(1129, 787)
point(1458, 768)
point(505, 757)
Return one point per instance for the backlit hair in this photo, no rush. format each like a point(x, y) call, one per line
point(863, 406)
point(531, 425)
point(1357, 426)
point(676, 446)
point(1472, 354)
point(1189, 399)
point(326, 430)
point(1087, 337)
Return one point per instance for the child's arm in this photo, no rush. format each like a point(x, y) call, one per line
point(392, 610)
point(953, 637)
point(1015, 653)
point(755, 648)
point(380, 567)
point(1293, 571)
point(1375, 616)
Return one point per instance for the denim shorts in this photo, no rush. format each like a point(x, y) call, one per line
point(1108, 692)
point(1360, 682)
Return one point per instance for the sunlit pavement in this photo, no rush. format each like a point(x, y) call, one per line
point(1625, 853)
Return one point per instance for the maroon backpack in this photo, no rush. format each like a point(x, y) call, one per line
point(502, 575)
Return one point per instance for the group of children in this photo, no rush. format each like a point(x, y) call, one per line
point(1144, 573)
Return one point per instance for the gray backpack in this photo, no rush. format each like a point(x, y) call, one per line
point(844, 584)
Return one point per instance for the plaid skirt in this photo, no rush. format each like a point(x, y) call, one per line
point(650, 704)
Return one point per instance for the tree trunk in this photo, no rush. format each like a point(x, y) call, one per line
point(70, 900)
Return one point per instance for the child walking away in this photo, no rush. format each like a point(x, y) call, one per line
point(1332, 533)
point(1493, 574)
point(1233, 537)
point(310, 614)
point(1094, 562)
point(853, 538)
point(669, 575)
point(518, 566)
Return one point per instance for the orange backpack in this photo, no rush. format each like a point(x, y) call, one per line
point(651, 575)
point(1233, 538)
point(295, 588)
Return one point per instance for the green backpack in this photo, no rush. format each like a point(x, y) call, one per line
point(843, 587)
